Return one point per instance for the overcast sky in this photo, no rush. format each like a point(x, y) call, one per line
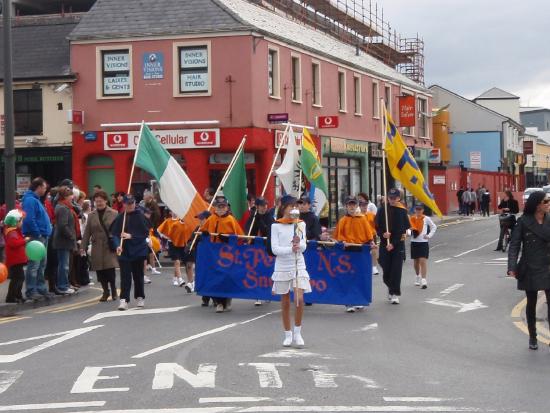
point(473, 45)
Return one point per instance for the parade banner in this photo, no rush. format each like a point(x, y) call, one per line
point(244, 271)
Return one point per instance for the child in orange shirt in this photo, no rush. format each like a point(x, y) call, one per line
point(178, 233)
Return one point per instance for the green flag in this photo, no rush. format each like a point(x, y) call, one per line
point(312, 169)
point(235, 187)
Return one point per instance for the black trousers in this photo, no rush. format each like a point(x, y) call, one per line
point(16, 275)
point(131, 270)
point(107, 277)
point(531, 310)
point(392, 267)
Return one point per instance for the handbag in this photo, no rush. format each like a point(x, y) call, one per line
point(111, 244)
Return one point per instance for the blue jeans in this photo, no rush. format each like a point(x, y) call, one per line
point(63, 269)
point(34, 276)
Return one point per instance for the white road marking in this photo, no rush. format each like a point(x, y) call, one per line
point(7, 378)
point(134, 311)
point(61, 337)
point(442, 260)
point(47, 406)
point(368, 383)
point(291, 409)
point(432, 247)
point(463, 307)
point(294, 353)
point(204, 400)
point(368, 327)
point(268, 375)
point(165, 372)
point(451, 289)
point(501, 259)
point(475, 249)
point(322, 378)
point(199, 335)
point(417, 399)
point(90, 375)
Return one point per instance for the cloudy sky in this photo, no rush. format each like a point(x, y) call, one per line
point(473, 45)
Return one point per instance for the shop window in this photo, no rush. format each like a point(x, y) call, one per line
point(116, 79)
point(273, 73)
point(316, 83)
point(387, 98)
point(193, 69)
point(375, 100)
point(296, 69)
point(422, 118)
point(218, 165)
point(343, 177)
point(357, 94)
point(341, 91)
point(27, 107)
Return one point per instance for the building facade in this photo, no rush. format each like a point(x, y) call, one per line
point(535, 117)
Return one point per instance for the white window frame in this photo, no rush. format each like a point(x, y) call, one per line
point(316, 74)
point(296, 78)
point(99, 71)
point(375, 97)
point(357, 95)
point(176, 68)
point(422, 118)
point(342, 92)
point(276, 73)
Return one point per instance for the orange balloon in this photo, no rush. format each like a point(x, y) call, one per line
point(3, 273)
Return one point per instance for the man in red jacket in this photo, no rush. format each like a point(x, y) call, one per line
point(16, 257)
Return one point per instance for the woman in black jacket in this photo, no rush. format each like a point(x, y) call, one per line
point(532, 236)
point(507, 206)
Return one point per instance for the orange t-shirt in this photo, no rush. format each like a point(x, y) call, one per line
point(354, 229)
point(177, 231)
point(222, 225)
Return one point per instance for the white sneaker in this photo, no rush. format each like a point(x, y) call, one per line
point(359, 307)
point(417, 280)
point(181, 283)
point(68, 291)
point(350, 309)
point(424, 283)
point(298, 340)
point(395, 299)
point(155, 271)
point(146, 280)
point(175, 283)
point(190, 287)
point(149, 268)
point(375, 270)
point(140, 302)
point(258, 303)
point(287, 342)
point(123, 305)
point(219, 308)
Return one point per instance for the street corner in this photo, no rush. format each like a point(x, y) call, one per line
point(520, 321)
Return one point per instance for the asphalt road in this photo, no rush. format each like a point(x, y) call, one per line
point(456, 346)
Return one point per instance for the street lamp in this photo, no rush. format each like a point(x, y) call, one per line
point(9, 150)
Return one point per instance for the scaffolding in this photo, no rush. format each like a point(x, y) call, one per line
point(360, 23)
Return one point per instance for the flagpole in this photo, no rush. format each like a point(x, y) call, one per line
point(296, 289)
point(222, 183)
point(269, 176)
point(130, 183)
point(383, 126)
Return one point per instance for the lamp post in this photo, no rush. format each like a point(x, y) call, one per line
point(9, 149)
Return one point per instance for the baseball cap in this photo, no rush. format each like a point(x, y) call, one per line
point(203, 215)
point(220, 200)
point(394, 193)
point(351, 200)
point(129, 199)
point(288, 199)
point(304, 200)
point(419, 206)
point(260, 201)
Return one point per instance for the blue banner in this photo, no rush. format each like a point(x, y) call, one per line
point(153, 65)
point(244, 271)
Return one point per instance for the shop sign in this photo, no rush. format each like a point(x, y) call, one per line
point(116, 62)
point(338, 145)
point(439, 179)
point(22, 183)
point(277, 117)
point(407, 111)
point(194, 82)
point(90, 136)
point(327, 122)
point(435, 155)
point(194, 58)
point(153, 65)
point(279, 134)
point(475, 160)
point(170, 139)
point(116, 85)
point(376, 151)
point(341, 145)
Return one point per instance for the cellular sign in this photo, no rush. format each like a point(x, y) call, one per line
point(117, 140)
point(327, 122)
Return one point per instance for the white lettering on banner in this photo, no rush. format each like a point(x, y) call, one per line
point(116, 62)
point(165, 372)
point(194, 58)
point(194, 82)
point(90, 375)
point(170, 139)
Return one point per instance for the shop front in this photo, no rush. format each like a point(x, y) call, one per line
point(51, 163)
point(345, 166)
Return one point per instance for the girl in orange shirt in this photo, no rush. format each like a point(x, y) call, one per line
point(178, 233)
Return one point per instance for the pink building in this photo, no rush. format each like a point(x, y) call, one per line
point(236, 63)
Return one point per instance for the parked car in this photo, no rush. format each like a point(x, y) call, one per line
point(529, 191)
point(546, 188)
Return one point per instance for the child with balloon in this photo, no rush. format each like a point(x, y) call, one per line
point(16, 258)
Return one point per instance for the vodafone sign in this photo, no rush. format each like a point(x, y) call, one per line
point(170, 139)
point(327, 122)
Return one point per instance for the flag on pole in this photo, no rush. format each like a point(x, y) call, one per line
point(176, 189)
point(311, 167)
point(235, 187)
point(403, 166)
point(287, 171)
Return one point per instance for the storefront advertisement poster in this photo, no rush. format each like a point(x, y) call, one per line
point(153, 65)
point(170, 139)
point(22, 183)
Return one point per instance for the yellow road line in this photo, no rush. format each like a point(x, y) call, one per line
point(516, 312)
point(58, 307)
point(541, 328)
point(75, 307)
point(10, 319)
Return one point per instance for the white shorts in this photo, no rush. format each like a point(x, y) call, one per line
point(284, 287)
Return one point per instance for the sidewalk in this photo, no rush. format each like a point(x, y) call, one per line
point(455, 218)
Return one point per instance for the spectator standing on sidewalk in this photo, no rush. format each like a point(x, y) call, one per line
point(466, 202)
point(459, 197)
point(36, 226)
point(531, 237)
point(485, 202)
point(15, 255)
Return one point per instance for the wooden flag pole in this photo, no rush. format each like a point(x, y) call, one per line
point(285, 133)
point(130, 185)
point(383, 123)
point(222, 183)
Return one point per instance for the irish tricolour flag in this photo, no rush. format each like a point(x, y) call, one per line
point(176, 189)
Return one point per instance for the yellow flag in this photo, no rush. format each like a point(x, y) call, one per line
point(403, 166)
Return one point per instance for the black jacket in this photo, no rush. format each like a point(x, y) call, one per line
point(313, 226)
point(511, 204)
point(262, 223)
point(398, 224)
point(138, 226)
point(533, 239)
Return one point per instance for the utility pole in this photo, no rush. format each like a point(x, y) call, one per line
point(9, 149)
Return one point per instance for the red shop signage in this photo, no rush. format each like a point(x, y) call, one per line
point(407, 111)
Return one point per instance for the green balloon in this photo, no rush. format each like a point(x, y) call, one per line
point(35, 250)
